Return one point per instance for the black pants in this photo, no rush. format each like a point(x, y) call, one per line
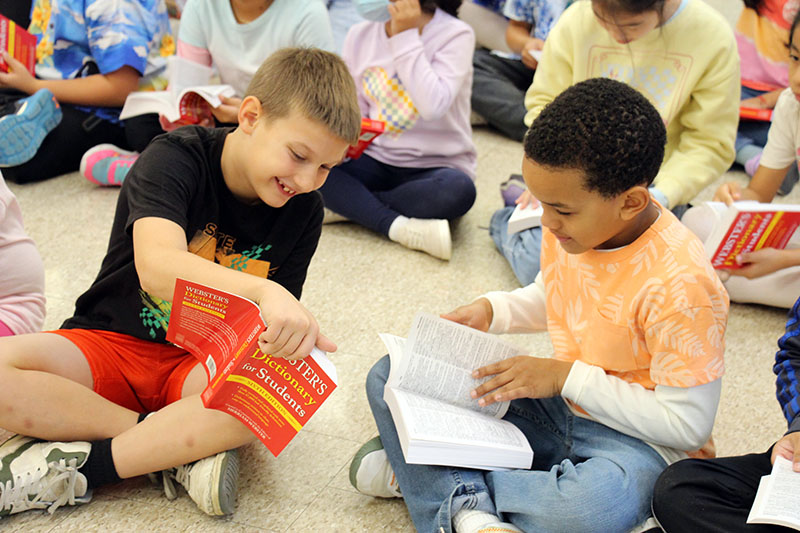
point(17, 10)
point(711, 495)
point(62, 149)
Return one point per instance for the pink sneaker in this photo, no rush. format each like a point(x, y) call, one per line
point(106, 164)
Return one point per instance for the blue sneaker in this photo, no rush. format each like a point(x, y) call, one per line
point(24, 131)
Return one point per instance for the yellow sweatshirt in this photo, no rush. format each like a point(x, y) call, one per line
point(688, 68)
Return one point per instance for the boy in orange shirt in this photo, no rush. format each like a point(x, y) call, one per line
point(234, 208)
point(636, 316)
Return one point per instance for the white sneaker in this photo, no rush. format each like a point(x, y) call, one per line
point(331, 217)
point(37, 474)
point(473, 521)
point(429, 235)
point(212, 483)
point(371, 473)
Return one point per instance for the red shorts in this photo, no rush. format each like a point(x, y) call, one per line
point(141, 375)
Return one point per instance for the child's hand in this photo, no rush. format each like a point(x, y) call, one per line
point(527, 199)
point(732, 192)
point(788, 448)
point(527, 58)
point(405, 15)
point(228, 111)
point(17, 76)
point(521, 376)
point(477, 315)
point(292, 331)
point(762, 262)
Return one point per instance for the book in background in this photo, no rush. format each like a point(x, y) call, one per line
point(755, 113)
point(778, 497)
point(745, 227)
point(19, 44)
point(428, 394)
point(272, 396)
point(189, 97)
point(370, 128)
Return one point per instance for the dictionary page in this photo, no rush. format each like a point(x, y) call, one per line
point(778, 497)
point(438, 359)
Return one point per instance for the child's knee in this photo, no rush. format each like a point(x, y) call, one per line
point(377, 377)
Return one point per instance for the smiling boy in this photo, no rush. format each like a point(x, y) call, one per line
point(636, 316)
point(231, 208)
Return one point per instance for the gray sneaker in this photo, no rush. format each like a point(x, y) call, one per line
point(371, 473)
point(212, 483)
point(36, 474)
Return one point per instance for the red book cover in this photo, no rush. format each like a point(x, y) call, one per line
point(754, 113)
point(274, 397)
point(748, 227)
point(20, 44)
point(369, 130)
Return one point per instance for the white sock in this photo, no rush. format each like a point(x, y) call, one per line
point(472, 520)
point(396, 226)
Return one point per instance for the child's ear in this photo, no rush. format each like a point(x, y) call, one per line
point(250, 111)
point(635, 200)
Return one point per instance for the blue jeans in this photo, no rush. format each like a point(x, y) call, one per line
point(751, 132)
point(585, 476)
point(373, 194)
point(521, 249)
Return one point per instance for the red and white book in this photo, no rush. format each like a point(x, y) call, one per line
point(19, 44)
point(272, 396)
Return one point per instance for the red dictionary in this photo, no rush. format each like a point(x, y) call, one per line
point(20, 44)
point(754, 113)
point(273, 397)
point(748, 226)
point(369, 130)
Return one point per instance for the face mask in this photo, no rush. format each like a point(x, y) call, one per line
point(374, 10)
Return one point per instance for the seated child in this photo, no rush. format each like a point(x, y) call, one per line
point(226, 194)
point(770, 276)
point(414, 72)
point(762, 32)
point(634, 380)
point(717, 494)
point(500, 80)
point(234, 37)
point(22, 302)
point(90, 55)
point(652, 45)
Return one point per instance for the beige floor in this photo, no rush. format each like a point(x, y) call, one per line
point(359, 285)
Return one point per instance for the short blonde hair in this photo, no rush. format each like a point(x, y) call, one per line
point(312, 81)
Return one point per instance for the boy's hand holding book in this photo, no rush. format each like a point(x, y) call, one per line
point(292, 331)
point(732, 192)
point(477, 315)
point(521, 376)
point(17, 76)
point(765, 261)
point(788, 447)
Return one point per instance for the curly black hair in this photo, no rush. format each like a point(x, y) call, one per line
point(448, 6)
point(606, 129)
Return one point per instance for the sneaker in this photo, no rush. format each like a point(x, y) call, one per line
point(212, 483)
point(371, 473)
point(23, 131)
point(511, 189)
point(331, 217)
point(473, 521)
point(106, 164)
point(37, 474)
point(429, 235)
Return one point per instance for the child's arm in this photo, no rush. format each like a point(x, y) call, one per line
point(435, 83)
point(708, 122)
point(161, 256)
point(762, 187)
point(522, 310)
point(96, 90)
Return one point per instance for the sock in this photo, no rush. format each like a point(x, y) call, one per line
point(472, 520)
point(751, 165)
point(99, 468)
point(747, 152)
point(397, 224)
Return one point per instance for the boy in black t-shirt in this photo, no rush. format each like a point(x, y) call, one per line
point(236, 209)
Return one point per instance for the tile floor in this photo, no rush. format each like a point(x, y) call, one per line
point(359, 285)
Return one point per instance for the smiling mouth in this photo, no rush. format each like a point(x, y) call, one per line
point(286, 189)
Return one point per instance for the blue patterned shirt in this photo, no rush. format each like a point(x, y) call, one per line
point(542, 14)
point(76, 38)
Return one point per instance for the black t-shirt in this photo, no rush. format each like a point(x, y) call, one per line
point(179, 178)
